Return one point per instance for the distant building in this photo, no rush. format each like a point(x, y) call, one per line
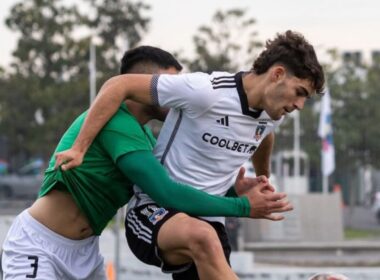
point(3, 147)
point(375, 55)
point(354, 57)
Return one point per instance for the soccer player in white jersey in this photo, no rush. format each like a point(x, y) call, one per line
point(215, 124)
point(57, 237)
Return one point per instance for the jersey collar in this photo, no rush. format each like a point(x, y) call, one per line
point(243, 98)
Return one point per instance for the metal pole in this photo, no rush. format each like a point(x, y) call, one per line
point(297, 146)
point(118, 219)
point(92, 69)
point(325, 185)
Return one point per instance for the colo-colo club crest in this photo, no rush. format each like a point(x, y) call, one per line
point(259, 132)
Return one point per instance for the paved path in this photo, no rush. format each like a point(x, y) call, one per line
point(244, 263)
point(360, 218)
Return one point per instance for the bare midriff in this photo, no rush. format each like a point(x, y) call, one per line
point(58, 211)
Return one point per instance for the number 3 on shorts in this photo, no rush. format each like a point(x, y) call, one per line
point(34, 265)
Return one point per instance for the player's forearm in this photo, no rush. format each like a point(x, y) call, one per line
point(261, 157)
point(144, 170)
point(199, 203)
point(109, 99)
point(263, 168)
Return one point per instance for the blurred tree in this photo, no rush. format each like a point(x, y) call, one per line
point(47, 85)
point(226, 44)
point(355, 97)
point(350, 115)
point(45, 29)
point(117, 25)
point(354, 89)
point(43, 57)
point(370, 125)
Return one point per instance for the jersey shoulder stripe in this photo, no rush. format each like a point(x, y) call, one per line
point(227, 81)
point(225, 77)
point(224, 86)
point(223, 81)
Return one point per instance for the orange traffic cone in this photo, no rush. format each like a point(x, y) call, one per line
point(110, 271)
point(338, 189)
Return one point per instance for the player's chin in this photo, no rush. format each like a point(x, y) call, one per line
point(276, 116)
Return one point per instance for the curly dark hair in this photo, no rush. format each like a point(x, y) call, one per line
point(296, 54)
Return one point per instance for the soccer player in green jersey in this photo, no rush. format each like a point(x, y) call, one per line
point(57, 237)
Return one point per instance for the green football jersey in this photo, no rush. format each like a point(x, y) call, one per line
point(97, 185)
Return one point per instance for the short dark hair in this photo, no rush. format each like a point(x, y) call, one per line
point(147, 56)
point(296, 54)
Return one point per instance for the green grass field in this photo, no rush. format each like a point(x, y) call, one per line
point(351, 234)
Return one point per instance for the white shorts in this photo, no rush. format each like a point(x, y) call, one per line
point(31, 250)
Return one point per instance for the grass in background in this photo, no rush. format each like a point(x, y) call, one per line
point(350, 234)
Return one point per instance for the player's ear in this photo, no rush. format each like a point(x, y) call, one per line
point(277, 73)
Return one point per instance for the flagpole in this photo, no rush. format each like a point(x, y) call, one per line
point(325, 131)
point(92, 69)
point(325, 185)
point(297, 146)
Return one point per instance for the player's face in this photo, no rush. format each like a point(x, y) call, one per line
point(286, 94)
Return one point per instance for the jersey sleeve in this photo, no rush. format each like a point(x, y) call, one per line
point(143, 169)
point(123, 134)
point(191, 92)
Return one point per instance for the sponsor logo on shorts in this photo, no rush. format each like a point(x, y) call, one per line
point(157, 215)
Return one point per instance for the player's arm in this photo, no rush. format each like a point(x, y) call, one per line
point(189, 92)
point(261, 163)
point(107, 102)
point(142, 168)
point(261, 157)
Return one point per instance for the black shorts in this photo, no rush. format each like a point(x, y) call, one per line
point(142, 225)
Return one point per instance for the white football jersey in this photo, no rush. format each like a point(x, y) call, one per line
point(209, 133)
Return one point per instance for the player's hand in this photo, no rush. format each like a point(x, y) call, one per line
point(68, 159)
point(265, 204)
point(243, 184)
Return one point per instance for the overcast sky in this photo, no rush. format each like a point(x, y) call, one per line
point(344, 24)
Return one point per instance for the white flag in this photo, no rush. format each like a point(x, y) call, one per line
point(325, 131)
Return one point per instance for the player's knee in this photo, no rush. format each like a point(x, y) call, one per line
point(204, 241)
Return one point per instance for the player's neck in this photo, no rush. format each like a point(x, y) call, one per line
point(137, 110)
point(253, 85)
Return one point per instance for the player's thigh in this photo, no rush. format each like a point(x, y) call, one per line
point(99, 273)
point(182, 236)
point(27, 265)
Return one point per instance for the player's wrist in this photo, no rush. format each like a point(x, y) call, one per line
point(81, 146)
point(246, 206)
